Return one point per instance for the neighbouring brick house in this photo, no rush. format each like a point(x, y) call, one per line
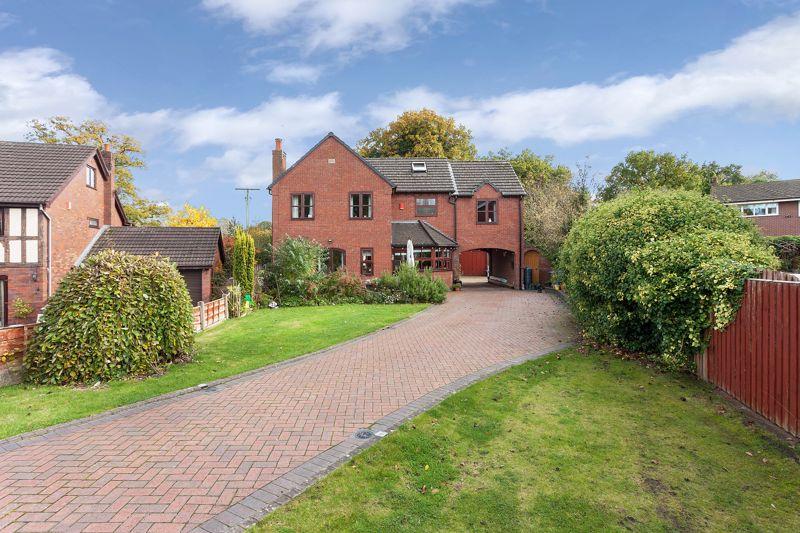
point(774, 206)
point(364, 210)
point(53, 201)
point(197, 252)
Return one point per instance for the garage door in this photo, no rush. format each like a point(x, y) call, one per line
point(194, 282)
point(473, 263)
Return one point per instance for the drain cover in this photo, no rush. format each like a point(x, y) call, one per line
point(364, 434)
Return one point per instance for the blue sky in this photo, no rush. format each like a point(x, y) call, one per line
point(208, 84)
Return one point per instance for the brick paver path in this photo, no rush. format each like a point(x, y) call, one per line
point(173, 464)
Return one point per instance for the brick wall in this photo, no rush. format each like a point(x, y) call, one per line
point(331, 226)
point(13, 342)
point(786, 222)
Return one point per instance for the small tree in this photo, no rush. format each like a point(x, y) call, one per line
point(194, 217)
point(244, 261)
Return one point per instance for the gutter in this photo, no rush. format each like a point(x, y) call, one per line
point(49, 250)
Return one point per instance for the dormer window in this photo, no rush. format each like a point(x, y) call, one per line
point(419, 166)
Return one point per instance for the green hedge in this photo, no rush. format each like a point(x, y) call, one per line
point(117, 314)
point(651, 271)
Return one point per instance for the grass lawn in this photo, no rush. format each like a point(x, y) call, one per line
point(565, 443)
point(261, 338)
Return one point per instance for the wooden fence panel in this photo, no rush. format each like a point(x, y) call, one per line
point(210, 314)
point(756, 359)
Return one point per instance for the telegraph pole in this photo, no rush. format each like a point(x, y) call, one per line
point(246, 204)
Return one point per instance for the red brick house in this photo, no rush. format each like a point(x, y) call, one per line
point(364, 210)
point(773, 206)
point(53, 201)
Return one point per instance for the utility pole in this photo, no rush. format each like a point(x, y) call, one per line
point(246, 204)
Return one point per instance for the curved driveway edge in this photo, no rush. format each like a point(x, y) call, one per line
point(286, 487)
point(188, 461)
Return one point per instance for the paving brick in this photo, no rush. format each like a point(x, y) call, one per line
point(261, 438)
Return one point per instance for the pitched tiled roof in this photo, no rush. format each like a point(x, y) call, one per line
point(421, 234)
point(187, 247)
point(437, 178)
point(449, 175)
point(471, 175)
point(34, 172)
point(755, 192)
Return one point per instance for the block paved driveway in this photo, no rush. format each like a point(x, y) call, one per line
point(172, 464)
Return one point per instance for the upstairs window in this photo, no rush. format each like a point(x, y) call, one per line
point(94, 223)
point(302, 206)
point(426, 207)
point(2, 222)
point(759, 210)
point(487, 212)
point(419, 166)
point(367, 262)
point(360, 205)
point(91, 180)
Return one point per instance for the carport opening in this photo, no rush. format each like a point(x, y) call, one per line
point(487, 266)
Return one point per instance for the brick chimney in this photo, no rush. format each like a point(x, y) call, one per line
point(278, 159)
point(108, 186)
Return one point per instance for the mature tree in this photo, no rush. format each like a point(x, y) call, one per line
point(422, 133)
point(532, 169)
point(647, 169)
point(127, 156)
point(190, 216)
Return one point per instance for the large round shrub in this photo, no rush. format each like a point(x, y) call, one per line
point(651, 271)
point(117, 314)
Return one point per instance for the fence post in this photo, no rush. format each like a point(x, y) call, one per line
point(202, 315)
point(225, 300)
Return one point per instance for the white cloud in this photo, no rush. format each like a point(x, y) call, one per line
point(758, 73)
point(37, 83)
point(298, 117)
point(380, 25)
point(294, 73)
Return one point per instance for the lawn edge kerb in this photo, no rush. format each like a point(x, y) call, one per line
point(283, 489)
point(63, 428)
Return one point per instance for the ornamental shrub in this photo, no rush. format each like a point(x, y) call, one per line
point(651, 271)
point(115, 315)
point(296, 270)
point(244, 261)
point(409, 285)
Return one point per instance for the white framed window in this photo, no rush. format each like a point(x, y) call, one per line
point(419, 166)
point(2, 253)
point(759, 210)
point(91, 180)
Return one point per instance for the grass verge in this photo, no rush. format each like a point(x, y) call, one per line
point(259, 339)
point(565, 443)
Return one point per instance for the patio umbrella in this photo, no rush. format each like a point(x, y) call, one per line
point(410, 252)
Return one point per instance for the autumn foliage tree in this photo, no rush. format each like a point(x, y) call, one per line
point(190, 216)
point(422, 133)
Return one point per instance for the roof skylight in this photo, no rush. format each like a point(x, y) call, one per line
point(419, 166)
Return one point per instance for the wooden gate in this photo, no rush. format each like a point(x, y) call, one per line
point(756, 359)
point(473, 263)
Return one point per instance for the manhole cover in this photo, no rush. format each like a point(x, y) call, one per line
point(364, 434)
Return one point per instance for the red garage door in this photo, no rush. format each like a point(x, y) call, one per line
point(473, 263)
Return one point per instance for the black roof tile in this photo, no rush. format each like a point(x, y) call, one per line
point(756, 192)
point(32, 173)
point(187, 247)
point(420, 233)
